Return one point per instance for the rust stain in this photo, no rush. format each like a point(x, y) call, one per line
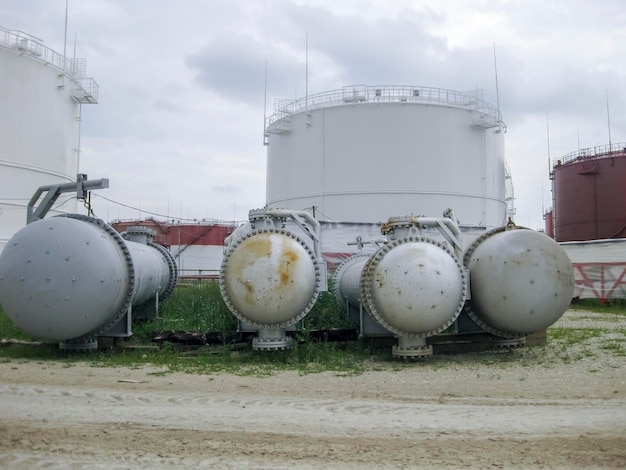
point(242, 259)
point(287, 259)
point(247, 254)
point(289, 256)
point(380, 280)
point(249, 295)
point(259, 245)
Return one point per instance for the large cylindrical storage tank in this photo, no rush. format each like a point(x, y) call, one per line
point(41, 94)
point(589, 190)
point(360, 153)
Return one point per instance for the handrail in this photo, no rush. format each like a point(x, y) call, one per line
point(356, 94)
point(591, 152)
point(26, 44)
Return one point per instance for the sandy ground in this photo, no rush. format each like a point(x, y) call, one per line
point(550, 408)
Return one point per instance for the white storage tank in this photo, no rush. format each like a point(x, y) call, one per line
point(41, 93)
point(362, 152)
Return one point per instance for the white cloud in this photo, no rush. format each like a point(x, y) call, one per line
point(178, 129)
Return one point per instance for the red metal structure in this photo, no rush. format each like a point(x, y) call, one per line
point(589, 191)
point(180, 234)
point(589, 206)
point(600, 280)
point(197, 248)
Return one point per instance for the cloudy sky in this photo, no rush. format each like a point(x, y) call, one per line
point(178, 128)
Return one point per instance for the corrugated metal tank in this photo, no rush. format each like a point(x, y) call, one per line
point(40, 94)
point(589, 191)
point(363, 152)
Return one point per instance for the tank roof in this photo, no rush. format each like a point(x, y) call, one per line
point(600, 151)
point(24, 44)
point(485, 114)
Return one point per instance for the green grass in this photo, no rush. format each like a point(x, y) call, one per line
point(616, 346)
point(572, 336)
point(9, 330)
point(616, 306)
point(191, 307)
point(199, 307)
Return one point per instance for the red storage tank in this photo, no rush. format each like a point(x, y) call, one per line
point(549, 223)
point(589, 191)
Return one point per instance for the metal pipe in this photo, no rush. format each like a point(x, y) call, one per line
point(313, 222)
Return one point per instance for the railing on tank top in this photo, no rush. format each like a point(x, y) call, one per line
point(355, 94)
point(27, 44)
point(608, 150)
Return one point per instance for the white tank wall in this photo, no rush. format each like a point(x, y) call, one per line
point(39, 130)
point(367, 161)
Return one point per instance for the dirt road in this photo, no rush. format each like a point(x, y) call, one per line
point(543, 410)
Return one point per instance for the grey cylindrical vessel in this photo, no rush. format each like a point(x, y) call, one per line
point(70, 276)
point(521, 281)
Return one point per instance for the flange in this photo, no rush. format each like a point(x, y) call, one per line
point(414, 286)
point(269, 278)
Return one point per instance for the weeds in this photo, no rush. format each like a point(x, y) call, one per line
point(191, 307)
point(616, 306)
point(615, 346)
point(199, 307)
point(572, 336)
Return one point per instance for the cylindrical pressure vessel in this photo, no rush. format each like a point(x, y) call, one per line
point(151, 278)
point(521, 281)
point(414, 286)
point(347, 280)
point(67, 277)
point(269, 278)
point(270, 275)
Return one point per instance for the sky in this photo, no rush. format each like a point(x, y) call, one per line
point(178, 129)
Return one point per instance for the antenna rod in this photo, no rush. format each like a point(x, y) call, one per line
point(65, 37)
point(608, 117)
point(495, 65)
point(265, 108)
point(306, 72)
point(548, 137)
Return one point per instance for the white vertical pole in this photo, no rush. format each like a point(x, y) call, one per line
point(608, 117)
point(65, 36)
point(306, 73)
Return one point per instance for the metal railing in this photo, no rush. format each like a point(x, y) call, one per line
point(591, 152)
point(486, 114)
point(86, 90)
